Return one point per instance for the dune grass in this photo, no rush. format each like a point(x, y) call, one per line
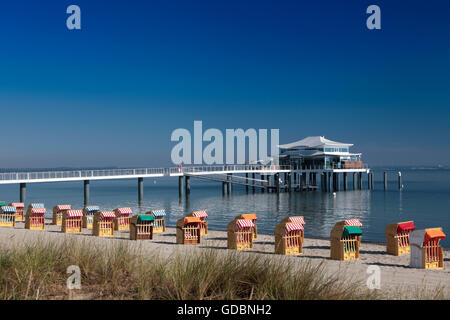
point(38, 271)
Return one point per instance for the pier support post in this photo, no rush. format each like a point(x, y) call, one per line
point(229, 183)
point(262, 183)
point(277, 181)
point(86, 192)
point(385, 180)
point(253, 182)
point(400, 184)
point(371, 180)
point(354, 180)
point(140, 189)
point(368, 181)
point(360, 181)
point(314, 179)
point(295, 180)
point(289, 182)
point(246, 182)
point(329, 182)
point(303, 179)
point(187, 185)
point(180, 186)
point(345, 181)
point(223, 187)
point(23, 192)
point(323, 182)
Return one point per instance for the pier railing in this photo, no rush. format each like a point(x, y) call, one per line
point(46, 175)
point(14, 177)
point(231, 168)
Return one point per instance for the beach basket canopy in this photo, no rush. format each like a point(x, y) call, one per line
point(405, 226)
point(145, 217)
point(9, 209)
point(74, 213)
point(18, 204)
point(249, 216)
point(158, 213)
point(353, 222)
point(107, 215)
point(292, 226)
point(62, 207)
point(92, 209)
point(244, 223)
point(200, 214)
point(124, 211)
point(40, 211)
point(351, 230)
point(299, 220)
point(192, 220)
point(434, 233)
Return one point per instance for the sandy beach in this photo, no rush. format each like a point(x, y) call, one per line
point(395, 271)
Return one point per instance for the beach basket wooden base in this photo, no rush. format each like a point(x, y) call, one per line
point(351, 255)
point(105, 233)
point(433, 265)
point(7, 224)
point(19, 217)
point(159, 229)
point(293, 250)
point(122, 224)
point(88, 222)
point(35, 228)
point(403, 250)
point(188, 241)
point(244, 245)
point(72, 230)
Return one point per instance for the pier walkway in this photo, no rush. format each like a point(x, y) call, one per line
point(304, 178)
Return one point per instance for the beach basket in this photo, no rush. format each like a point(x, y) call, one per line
point(240, 234)
point(426, 253)
point(58, 213)
point(159, 225)
point(297, 219)
point(20, 214)
point(7, 216)
point(141, 227)
point(122, 220)
point(397, 237)
point(88, 216)
point(289, 236)
point(72, 221)
point(345, 238)
point(188, 230)
point(253, 218)
point(103, 224)
point(203, 217)
point(34, 217)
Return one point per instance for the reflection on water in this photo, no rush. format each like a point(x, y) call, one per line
point(425, 200)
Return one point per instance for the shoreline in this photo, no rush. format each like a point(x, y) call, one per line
point(395, 273)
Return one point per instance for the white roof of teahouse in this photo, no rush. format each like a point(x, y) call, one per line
point(313, 142)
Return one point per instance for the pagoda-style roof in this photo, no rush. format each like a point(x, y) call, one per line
point(314, 142)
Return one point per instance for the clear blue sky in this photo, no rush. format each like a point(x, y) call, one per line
point(112, 93)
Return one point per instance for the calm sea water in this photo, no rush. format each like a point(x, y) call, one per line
point(424, 199)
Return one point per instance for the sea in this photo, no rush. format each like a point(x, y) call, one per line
point(425, 199)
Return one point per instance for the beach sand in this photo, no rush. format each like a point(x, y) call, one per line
point(396, 275)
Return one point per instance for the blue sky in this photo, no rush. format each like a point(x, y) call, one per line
point(111, 93)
